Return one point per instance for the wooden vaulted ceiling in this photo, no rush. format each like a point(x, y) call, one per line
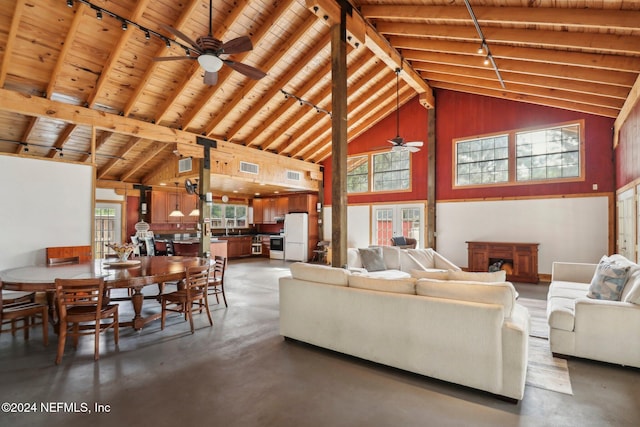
point(581, 55)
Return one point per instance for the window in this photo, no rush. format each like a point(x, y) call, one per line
point(522, 156)
point(229, 216)
point(377, 172)
point(358, 174)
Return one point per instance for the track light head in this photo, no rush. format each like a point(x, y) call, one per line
point(69, 3)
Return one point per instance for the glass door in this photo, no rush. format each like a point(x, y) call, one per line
point(626, 225)
point(398, 220)
point(108, 225)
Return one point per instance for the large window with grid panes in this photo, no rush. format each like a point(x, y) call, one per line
point(379, 172)
point(524, 156)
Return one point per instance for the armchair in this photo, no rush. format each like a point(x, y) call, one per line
point(404, 242)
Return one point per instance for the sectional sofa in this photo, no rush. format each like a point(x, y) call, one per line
point(466, 332)
point(593, 310)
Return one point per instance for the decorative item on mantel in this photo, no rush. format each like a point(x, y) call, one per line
point(123, 250)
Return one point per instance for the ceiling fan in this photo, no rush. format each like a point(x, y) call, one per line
point(398, 142)
point(209, 49)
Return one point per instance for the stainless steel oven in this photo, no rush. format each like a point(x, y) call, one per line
point(276, 247)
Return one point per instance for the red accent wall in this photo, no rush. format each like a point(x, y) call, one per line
point(464, 115)
point(413, 127)
point(627, 153)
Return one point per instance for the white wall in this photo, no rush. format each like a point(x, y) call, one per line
point(567, 229)
point(42, 203)
point(108, 194)
point(358, 226)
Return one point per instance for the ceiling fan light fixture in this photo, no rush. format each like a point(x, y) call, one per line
point(210, 63)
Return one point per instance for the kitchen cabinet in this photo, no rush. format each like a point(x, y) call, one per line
point(258, 211)
point(163, 202)
point(282, 207)
point(520, 260)
point(239, 246)
point(219, 248)
point(303, 203)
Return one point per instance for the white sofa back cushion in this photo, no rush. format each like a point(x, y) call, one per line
point(494, 276)
point(320, 273)
point(400, 286)
point(501, 293)
point(430, 274)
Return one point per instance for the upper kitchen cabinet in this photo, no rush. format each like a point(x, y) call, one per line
point(302, 203)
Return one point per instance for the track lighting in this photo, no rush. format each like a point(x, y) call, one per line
point(301, 101)
point(147, 35)
point(69, 3)
point(167, 43)
point(99, 15)
point(481, 49)
point(486, 60)
point(124, 26)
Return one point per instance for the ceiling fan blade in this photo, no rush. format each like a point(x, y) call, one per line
point(237, 45)
point(412, 149)
point(181, 35)
point(210, 78)
point(414, 144)
point(173, 58)
point(245, 69)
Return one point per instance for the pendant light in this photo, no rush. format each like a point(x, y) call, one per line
point(176, 211)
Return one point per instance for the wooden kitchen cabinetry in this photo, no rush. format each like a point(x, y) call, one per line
point(303, 203)
point(163, 202)
point(520, 258)
point(239, 246)
point(258, 211)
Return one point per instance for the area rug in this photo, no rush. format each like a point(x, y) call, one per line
point(544, 371)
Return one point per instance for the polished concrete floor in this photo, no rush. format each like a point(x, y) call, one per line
point(240, 372)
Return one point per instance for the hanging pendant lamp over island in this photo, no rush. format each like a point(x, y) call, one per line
point(176, 211)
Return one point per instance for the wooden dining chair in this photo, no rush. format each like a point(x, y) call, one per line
point(194, 292)
point(81, 311)
point(216, 279)
point(26, 310)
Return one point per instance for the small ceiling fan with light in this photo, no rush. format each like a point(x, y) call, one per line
point(209, 49)
point(398, 142)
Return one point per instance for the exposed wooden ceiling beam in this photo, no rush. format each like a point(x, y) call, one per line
point(26, 134)
point(62, 139)
point(604, 19)
point(139, 163)
point(104, 137)
point(586, 42)
point(149, 73)
point(115, 53)
point(11, 40)
point(104, 170)
point(294, 69)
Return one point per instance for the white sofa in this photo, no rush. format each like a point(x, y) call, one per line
point(468, 333)
point(398, 262)
point(598, 329)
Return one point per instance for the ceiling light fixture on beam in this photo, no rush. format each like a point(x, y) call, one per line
point(489, 58)
point(305, 102)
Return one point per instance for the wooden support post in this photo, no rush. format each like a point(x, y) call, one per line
point(339, 138)
point(431, 178)
point(204, 187)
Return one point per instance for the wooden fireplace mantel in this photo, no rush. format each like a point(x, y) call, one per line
point(522, 256)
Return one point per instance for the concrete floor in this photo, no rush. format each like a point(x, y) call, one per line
point(240, 372)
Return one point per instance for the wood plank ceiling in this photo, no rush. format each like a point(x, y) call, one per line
point(581, 55)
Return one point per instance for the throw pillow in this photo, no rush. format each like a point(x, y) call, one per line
point(372, 259)
point(608, 281)
point(399, 240)
point(496, 276)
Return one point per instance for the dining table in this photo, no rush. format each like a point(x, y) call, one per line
point(134, 273)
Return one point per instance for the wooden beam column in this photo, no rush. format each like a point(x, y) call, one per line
point(339, 137)
point(204, 187)
point(431, 178)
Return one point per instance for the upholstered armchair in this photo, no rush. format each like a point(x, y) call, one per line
point(404, 242)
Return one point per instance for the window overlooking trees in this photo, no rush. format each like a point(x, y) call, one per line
point(229, 216)
point(522, 156)
point(377, 172)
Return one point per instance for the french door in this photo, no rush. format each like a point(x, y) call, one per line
point(108, 225)
point(626, 225)
point(397, 220)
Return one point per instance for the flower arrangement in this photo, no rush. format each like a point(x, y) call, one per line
point(123, 250)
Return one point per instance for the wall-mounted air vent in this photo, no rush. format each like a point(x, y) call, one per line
point(185, 165)
point(294, 176)
point(247, 167)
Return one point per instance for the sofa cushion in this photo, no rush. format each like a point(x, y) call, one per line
point(430, 274)
point(320, 273)
point(502, 293)
point(401, 286)
point(423, 258)
point(372, 259)
point(609, 280)
point(561, 313)
point(383, 274)
point(353, 258)
point(633, 296)
point(495, 276)
point(634, 274)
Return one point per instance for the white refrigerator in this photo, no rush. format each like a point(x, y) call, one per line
point(296, 237)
